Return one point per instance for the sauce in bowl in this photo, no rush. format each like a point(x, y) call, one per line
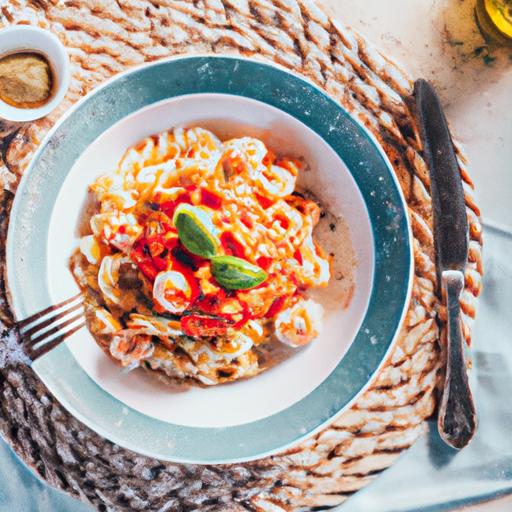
point(26, 79)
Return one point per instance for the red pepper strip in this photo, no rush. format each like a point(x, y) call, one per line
point(293, 278)
point(298, 256)
point(143, 261)
point(211, 304)
point(168, 207)
point(284, 221)
point(276, 307)
point(264, 262)
point(265, 202)
point(171, 243)
point(161, 263)
point(231, 245)
point(156, 245)
point(151, 252)
point(269, 158)
point(246, 220)
point(210, 199)
point(200, 325)
point(148, 270)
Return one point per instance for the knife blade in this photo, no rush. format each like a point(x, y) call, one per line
point(457, 414)
point(450, 218)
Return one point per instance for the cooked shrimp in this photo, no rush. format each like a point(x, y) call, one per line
point(299, 324)
point(108, 276)
point(276, 181)
point(172, 291)
point(315, 269)
point(154, 325)
point(117, 228)
point(91, 249)
point(128, 347)
point(105, 322)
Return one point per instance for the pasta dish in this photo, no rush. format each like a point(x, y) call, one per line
point(199, 254)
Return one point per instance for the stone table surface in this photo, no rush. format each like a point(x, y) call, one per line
point(437, 40)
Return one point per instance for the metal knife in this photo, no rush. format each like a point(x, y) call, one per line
point(457, 415)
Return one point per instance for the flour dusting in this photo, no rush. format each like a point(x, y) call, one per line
point(11, 351)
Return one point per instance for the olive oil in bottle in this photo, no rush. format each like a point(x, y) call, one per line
point(495, 20)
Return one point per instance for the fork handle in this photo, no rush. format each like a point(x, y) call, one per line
point(457, 415)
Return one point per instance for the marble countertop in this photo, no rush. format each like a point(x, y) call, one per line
point(439, 40)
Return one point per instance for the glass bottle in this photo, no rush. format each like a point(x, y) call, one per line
point(494, 18)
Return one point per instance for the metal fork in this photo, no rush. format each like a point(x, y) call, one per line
point(45, 330)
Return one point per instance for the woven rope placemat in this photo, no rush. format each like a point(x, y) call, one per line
point(106, 37)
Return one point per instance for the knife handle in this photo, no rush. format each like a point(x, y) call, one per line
point(457, 416)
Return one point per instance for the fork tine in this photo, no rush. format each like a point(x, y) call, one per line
point(35, 353)
point(51, 326)
point(54, 330)
point(51, 320)
point(47, 310)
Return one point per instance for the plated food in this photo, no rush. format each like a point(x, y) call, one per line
point(364, 227)
point(200, 257)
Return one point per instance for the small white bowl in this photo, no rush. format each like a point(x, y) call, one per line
point(27, 38)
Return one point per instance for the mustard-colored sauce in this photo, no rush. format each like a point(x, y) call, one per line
point(25, 80)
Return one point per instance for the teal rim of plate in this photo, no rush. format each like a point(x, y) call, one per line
point(366, 161)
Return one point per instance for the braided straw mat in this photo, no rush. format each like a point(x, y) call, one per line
point(105, 37)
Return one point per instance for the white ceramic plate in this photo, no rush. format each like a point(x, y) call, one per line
point(349, 174)
point(328, 178)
